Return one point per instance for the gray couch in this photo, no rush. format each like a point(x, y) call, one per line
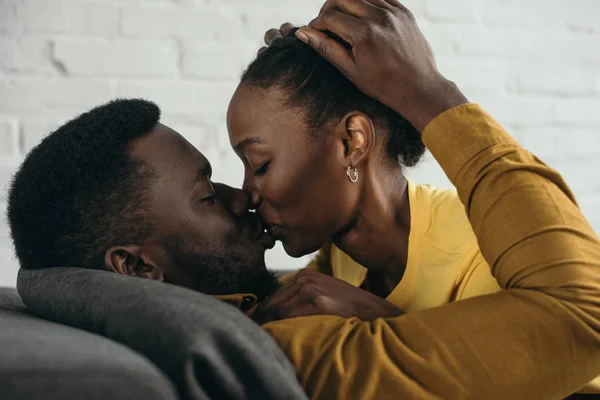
point(121, 338)
point(115, 337)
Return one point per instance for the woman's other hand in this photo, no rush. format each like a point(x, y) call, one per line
point(385, 55)
point(314, 293)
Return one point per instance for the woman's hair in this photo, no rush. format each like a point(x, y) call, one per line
point(327, 95)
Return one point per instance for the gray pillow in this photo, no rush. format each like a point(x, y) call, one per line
point(209, 349)
point(40, 359)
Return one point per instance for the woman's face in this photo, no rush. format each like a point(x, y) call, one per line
point(298, 182)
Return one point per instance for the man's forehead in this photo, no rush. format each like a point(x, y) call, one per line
point(164, 146)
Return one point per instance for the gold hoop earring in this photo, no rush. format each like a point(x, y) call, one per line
point(352, 174)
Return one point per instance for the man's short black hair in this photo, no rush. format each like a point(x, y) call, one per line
point(79, 191)
point(326, 95)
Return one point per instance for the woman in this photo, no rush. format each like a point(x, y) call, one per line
point(324, 165)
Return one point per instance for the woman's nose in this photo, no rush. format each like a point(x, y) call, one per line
point(255, 197)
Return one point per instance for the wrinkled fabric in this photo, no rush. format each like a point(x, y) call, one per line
point(208, 349)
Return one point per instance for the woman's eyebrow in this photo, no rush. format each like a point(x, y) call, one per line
point(248, 141)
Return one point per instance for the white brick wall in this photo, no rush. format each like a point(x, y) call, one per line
point(534, 64)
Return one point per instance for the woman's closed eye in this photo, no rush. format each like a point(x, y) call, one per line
point(263, 169)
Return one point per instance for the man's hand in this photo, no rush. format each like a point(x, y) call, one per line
point(385, 55)
point(314, 293)
point(273, 34)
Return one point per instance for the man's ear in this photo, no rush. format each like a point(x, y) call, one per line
point(132, 261)
point(359, 137)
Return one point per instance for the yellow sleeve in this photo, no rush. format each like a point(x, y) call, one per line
point(540, 338)
point(321, 263)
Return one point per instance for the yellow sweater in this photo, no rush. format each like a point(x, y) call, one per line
point(444, 262)
point(538, 339)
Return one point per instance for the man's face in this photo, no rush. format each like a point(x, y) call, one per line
point(203, 236)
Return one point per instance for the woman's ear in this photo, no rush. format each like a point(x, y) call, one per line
point(359, 138)
point(131, 261)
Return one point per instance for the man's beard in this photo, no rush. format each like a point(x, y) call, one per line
point(220, 273)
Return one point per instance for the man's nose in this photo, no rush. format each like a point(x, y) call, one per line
point(235, 200)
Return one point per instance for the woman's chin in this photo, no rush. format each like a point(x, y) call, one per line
point(299, 249)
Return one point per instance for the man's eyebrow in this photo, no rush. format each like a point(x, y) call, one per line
point(247, 141)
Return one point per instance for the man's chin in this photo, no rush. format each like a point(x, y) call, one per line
point(262, 283)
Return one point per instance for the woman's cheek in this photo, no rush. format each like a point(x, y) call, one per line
point(282, 190)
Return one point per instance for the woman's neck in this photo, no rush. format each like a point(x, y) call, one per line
point(378, 236)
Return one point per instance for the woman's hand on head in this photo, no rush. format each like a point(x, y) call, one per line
point(385, 55)
point(314, 293)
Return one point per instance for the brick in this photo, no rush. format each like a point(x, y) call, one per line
point(120, 58)
point(554, 79)
point(302, 12)
point(528, 14)
point(532, 64)
point(227, 167)
point(222, 136)
point(8, 166)
point(582, 142)
point(9, 137)
point(35, 129)
point(8, 11)
point(216, 61)
point(444, 38)
point(579, 111)
point(25, 55)
point(10, 265)
point(510, 43)
point(37, 94)
point(581, 46)
point(581, 15)
point(199, 134)
point(581, 174)
point(459, 11)
point(201, 98)
point(72, 16)
point(474, 73)
point(549, 143)
point(519, 110)
point(202, 22)
point(417, 7)
point(256, 23)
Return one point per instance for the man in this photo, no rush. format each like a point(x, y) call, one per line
point(498, 346)
point(114, 189)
